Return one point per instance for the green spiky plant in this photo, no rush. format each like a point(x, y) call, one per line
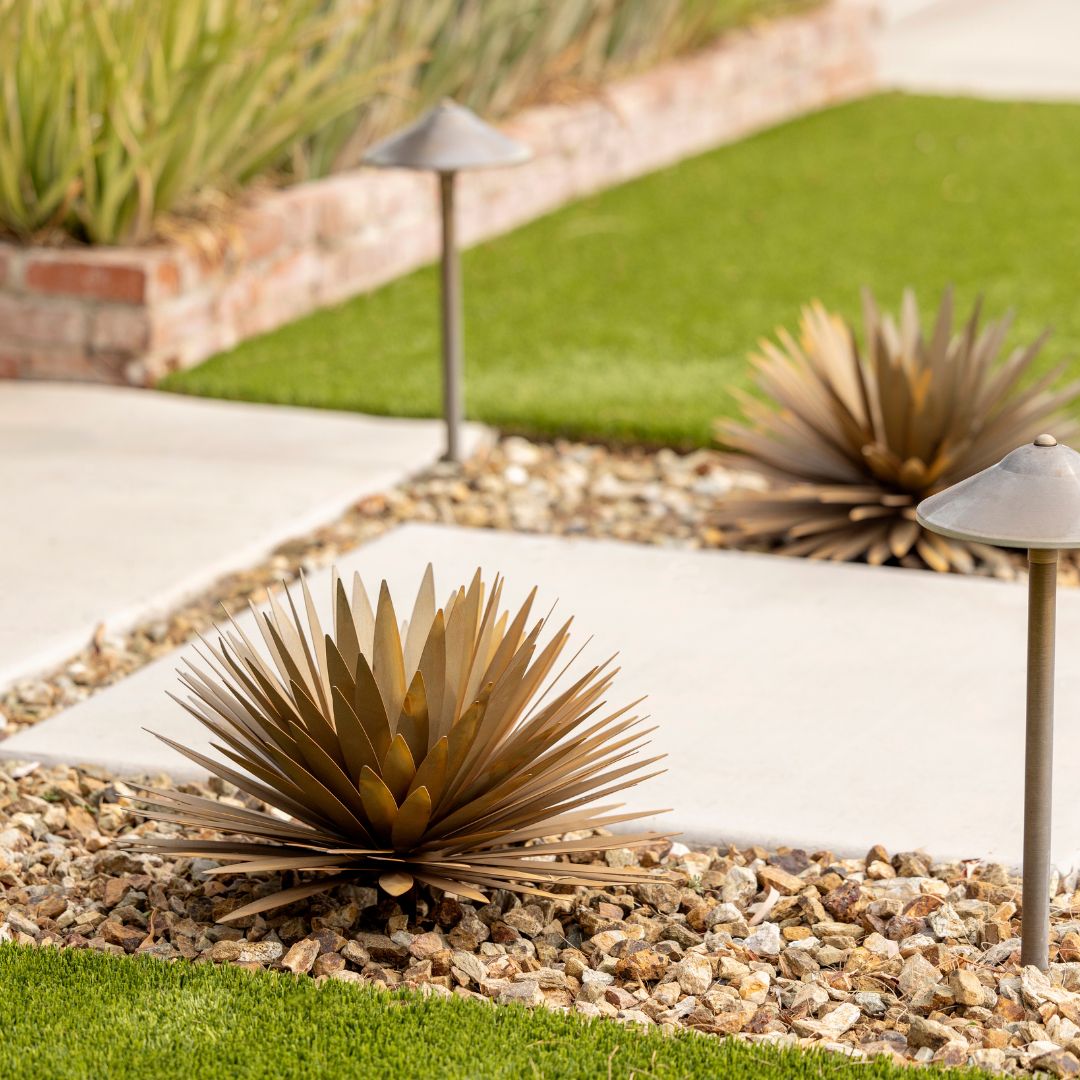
point(421, 753)
point(115, 114)
point(852, 437)
point(500, 55)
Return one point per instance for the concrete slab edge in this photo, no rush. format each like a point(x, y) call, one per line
point(480, 438)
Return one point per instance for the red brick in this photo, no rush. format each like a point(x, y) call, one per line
point(12, 364)
point(259, 233)
point(166, 279)
point(191, 326)
point(88, 278)
point(112, 367)
point(119, 328)
point(346, 212)
point(299, 208)
point(61, 362)
point(259, 300)
point(29, 320)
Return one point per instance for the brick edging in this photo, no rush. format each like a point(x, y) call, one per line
point(133, 314)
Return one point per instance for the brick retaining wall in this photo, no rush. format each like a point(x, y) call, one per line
point(133, 314)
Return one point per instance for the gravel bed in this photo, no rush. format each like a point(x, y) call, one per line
point(889, 954)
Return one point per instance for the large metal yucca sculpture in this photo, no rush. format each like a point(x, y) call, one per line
point(853, 439)
point(423, 753)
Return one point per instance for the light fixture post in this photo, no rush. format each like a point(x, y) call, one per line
point(446, 140)
point(1039, 757)
point(1028, 500)
point(452, 347)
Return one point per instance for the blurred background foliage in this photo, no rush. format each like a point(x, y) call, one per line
point(117, 112)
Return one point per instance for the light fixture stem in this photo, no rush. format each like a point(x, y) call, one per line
point(453, 390)
point(1039, 757)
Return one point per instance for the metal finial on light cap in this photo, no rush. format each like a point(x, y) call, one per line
point(1045, 440)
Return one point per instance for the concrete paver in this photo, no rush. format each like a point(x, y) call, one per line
point(986, 48)
point(121, 502)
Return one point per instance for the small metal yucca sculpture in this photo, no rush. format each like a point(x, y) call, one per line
point(420, 754)
point(853, 440)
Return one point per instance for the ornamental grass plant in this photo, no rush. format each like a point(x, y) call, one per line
point(116, 113)
point(437, 751)
point(854, 435)
point(496, 56)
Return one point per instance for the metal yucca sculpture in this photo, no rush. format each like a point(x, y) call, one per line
point(853, 439)
point(415, 754)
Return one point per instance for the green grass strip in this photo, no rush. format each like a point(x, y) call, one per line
point(77, 1014)
point(630, 314)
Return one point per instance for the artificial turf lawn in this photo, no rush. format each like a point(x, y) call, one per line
point(630, 314)
point(73, 1014)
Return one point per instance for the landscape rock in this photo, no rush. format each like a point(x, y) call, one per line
point(966, 987)
point(260, 952)
point(740, 886)
point(765, 940)
point(129, 938)
point(527, 992)
point(840, 1020)
point(528, 919)
point(644, 965)
point(300, 958)
point(1057, 1062)
point(946, 923)
point(773, 877)
point(917, 974)
point(694, 974)
point(929, 1033)
point(755, 987)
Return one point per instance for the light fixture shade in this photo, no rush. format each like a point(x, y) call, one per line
point(1029, 499)
point(447, 138)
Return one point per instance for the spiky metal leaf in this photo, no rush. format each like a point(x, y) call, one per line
point(853, 440)
point(423, 752)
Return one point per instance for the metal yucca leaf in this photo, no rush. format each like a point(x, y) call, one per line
point(420, 753)
point(853, 440)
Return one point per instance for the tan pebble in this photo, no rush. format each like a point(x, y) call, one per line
point(966, 987)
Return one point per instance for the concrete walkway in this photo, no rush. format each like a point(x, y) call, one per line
point(118, 503)
point(801, 703)
point(1024, 49)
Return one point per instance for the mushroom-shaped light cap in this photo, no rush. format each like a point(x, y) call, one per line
point(445, 139)
point(1029, 499)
